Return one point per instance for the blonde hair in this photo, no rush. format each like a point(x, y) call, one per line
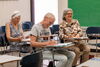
point(65, 13)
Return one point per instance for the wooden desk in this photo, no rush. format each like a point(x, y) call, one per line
point(7, 59)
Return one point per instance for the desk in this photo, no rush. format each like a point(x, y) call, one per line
point(81, 38)
point(61, 45)
point(94, 62)
point(7, 59)
point(52, 54)
point(74, 39)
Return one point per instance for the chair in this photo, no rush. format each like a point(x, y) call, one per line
point(51, 29)
point(55, 29)
point(93, 33)
point(3, 29)
point(3, 40)
point(26, 26)
point(2, 46)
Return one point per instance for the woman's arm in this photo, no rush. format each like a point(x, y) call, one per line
point(9, 36)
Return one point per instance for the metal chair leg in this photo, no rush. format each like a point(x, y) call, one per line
point(17, 63)
point(2, 65)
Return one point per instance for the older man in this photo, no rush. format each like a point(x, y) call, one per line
point(42, 29)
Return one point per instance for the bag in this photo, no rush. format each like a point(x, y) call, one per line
point(33, 60)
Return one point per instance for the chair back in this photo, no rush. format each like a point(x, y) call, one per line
point(26, 26)
point(1, 41)
point(2, 29)
point(55, 29)
point(93, 31)
point(3, 37)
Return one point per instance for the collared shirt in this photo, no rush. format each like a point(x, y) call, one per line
point(69, 29)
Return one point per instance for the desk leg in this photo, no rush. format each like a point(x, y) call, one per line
point(18, 63)
point(53, 60)
point(52, 63)
point(2, 65)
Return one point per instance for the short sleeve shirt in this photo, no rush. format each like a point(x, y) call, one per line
point(38, 30)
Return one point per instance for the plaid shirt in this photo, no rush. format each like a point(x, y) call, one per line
point(70, 29)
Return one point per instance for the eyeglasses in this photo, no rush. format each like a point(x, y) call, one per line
point(69, 13)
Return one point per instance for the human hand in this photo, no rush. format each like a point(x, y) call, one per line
point(51, 42)
point(20, 38)
point(77, 36)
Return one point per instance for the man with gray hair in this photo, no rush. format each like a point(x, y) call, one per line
point(39, 40)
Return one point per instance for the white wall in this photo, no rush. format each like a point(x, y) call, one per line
point(44, 6)
point(54, 6)
point(8, 7)
point(62, 4)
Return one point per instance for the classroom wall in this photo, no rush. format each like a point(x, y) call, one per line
point(7, 7)
point(56, 8)
point(62, 4)
point(41, 8)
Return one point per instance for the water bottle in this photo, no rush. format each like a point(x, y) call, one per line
point(56, 38)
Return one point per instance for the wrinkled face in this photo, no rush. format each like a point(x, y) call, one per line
point(49, 22)
point(16, 20)
point(68, 15)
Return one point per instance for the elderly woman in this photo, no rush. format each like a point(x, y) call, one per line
point(70, 28)
point(14, 30)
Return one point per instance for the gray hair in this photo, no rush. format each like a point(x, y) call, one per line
point(15, 14)
point(65, 13)
point(50, 15)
